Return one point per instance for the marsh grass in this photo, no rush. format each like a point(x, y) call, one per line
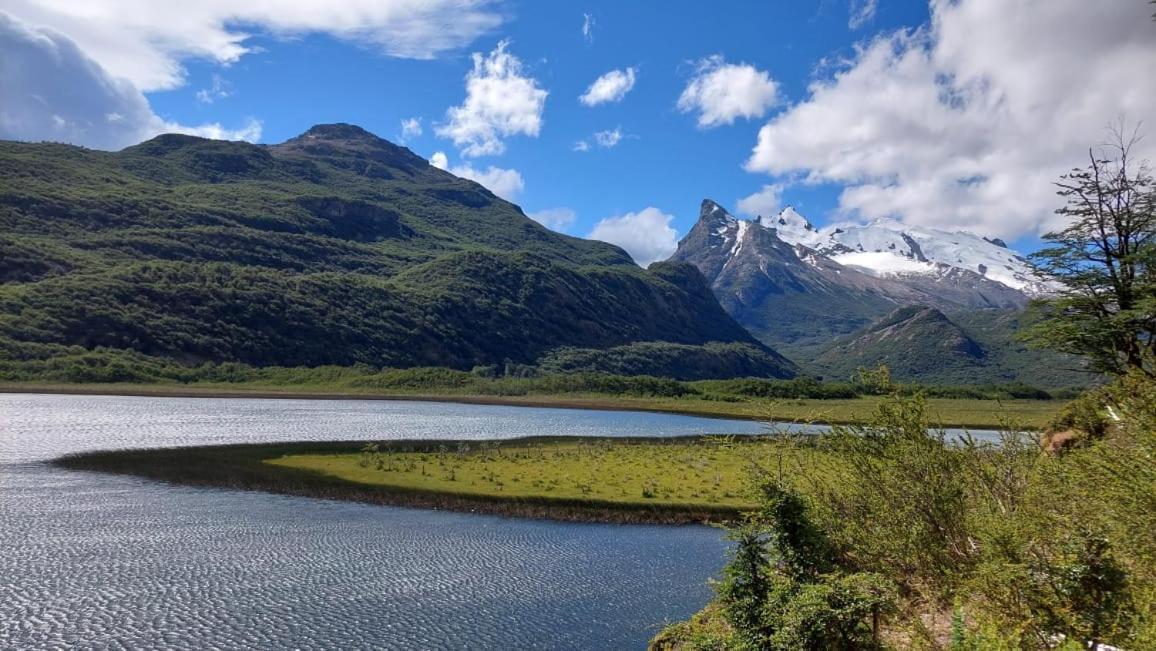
point(707, 471)
point(652, 480)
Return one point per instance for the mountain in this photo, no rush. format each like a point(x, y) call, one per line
point(920, 343)
point(796, 295)
point(335, 247)
point(888, 248)
point(916, 343)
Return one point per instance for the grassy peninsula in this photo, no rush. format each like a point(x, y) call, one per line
point(653, 480)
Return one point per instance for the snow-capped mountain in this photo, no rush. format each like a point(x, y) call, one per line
point(889, 248)
point(798, 287)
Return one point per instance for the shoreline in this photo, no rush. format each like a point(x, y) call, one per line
point(243, 467)
point(583, 402)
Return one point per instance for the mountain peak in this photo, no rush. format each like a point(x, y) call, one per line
point(792, 227)
point(338, 131)
point(349, 146)
point(712, 213)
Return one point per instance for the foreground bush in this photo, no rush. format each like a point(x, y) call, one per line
point(985, 546)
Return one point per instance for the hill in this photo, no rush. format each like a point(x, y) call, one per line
point(922, 344)
point(335, 247)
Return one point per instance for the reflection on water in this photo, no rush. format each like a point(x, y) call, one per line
point(100, 561)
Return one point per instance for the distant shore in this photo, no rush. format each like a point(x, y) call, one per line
point(949, 412)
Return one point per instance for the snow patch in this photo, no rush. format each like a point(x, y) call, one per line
point(886, 246)
point(883, 263)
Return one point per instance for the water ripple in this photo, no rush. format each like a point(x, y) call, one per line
point(105, 562)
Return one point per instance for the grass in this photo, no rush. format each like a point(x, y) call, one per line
point(697, 472)
point(672, 480)
point(948, 412)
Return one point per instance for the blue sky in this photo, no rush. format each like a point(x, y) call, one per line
point(954, 114)
point(664, 159)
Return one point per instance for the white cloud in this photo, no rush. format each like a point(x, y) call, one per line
point(410, 128)
point(53, 91)
point(505, 183)
point(968, 122)
point(646, 235)
point(610, 87)
point(220, 89)
point(581, 145)
point(145, 41)
point(500, 102)
point(862, 12)
point(721, 92)
point(588, 27)
point(608, 139)
point(558, 219)
point(765, 202)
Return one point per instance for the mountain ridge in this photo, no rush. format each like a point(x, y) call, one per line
point(334, 247)
point(798, 300)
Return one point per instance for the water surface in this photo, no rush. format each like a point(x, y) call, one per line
point(100, 561)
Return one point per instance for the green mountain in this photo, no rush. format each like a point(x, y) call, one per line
point(922, 344)
point(335, 247)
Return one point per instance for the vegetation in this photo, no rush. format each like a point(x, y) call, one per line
point(994, 546)
point(335, 248)
point(985, 547)
point(798, 400)
point(922, 344)
point(689, 472)
point(619, 480)
point(1104, 262)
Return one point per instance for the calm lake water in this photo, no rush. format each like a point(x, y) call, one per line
point(98, 561)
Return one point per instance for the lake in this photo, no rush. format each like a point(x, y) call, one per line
point(101, 561)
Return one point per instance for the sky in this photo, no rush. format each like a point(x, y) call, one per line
point(614, 120)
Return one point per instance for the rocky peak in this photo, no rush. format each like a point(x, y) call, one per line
point(714, 214)
point(349, 146)
point(338, 131)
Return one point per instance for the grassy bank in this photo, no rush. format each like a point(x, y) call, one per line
point(711, 399)
point(674, 480)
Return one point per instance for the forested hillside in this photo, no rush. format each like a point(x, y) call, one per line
point(336, 247)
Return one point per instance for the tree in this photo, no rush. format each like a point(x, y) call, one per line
point(1103, 264)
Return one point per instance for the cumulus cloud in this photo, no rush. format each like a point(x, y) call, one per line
point(767, 201)
point(862, 12)
point(967, 122)
point(53, 91)
point(145, 41)
point(646, 235)
point(505, 183)
point(410, 128)
point(500, 101)
point(610, 87)
point(581, 145)
point(558, 219)
point(721, 92)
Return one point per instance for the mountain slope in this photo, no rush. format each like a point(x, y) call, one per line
point(915, 342)
point(336, 247)
point(798, 299)
point(922, 344)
